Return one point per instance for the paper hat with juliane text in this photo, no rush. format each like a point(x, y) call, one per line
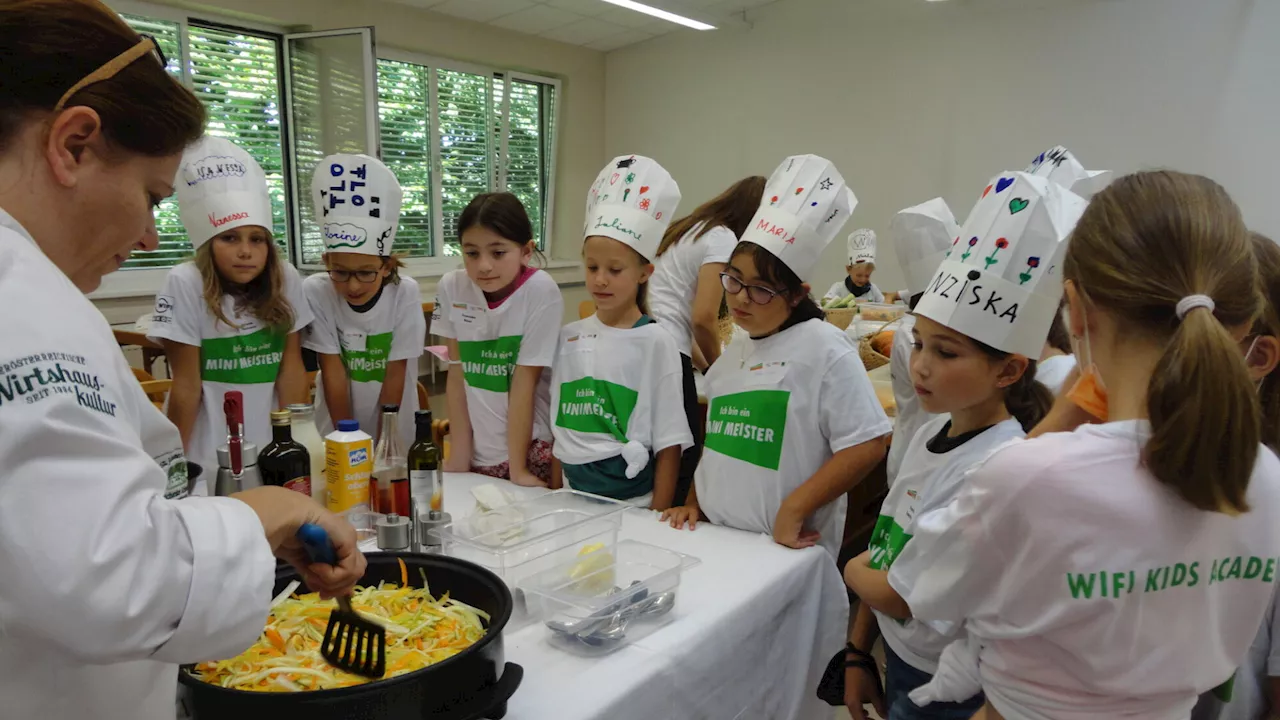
point(632, 201)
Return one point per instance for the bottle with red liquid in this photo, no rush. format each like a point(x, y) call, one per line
point(285, 461)
point(389, 485)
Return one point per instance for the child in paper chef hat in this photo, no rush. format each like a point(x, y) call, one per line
point(229, 320)
point(619, 429)
point(794, 422)
point(369, 328)
point(862, 262)
point(979, 327)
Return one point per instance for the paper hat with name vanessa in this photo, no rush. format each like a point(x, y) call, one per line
point(1058, 165)
point(862, 246)
point(805, 205)
point(357, 204)
point(220, 187)
point(1001, 281)
point(922, 235)
point(632, 201)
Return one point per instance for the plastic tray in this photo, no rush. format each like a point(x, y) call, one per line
point(588, 597)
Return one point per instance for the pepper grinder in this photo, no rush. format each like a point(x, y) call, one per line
point(393, 533)
point(428, 521)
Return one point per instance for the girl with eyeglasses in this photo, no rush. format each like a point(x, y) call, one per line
point(230, 319)
point(369, 328)
point(793, 422)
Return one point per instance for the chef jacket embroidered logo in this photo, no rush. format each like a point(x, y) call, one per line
point(596, 406)
point(243, 360)
point(487, 364)
point(749, 426)
point(38, 377)
point(369, 364)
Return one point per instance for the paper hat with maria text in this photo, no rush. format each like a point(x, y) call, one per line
point(1001, 281)
point(632, 201)
point(805, 204)
point(220, 187)
point(1058, 165)
point(922, 235)
point(357, 204)
point(862, 246)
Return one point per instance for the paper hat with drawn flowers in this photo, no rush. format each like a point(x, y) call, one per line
point(805, 205)
point(862, 246)
point(220, 187)
point(922, 235)
point(632, 201)
point(1058, 165)
point(357, 204)
point(1001, 281)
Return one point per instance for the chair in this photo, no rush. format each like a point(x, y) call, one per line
point(586, 309)
point(151, 350)
point(439, 429)
point(156, 390)
point(311, 385)
point(424, 400)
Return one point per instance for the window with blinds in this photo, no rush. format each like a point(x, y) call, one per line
point(404, 93)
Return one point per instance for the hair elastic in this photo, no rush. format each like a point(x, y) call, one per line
point(1191, 302)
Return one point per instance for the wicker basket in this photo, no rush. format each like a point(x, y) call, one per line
point(841, 317)
point(870, 358)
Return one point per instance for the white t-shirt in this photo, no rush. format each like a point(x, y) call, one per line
point(779, 408)
point(927, 481)
point(245, 358)
point(675, 280)
point(910, 416)
point(1053, 372)
point(610, 386)
point(1251, 693)
point(523, 330)
point(393, 329)
point(839, 290)
point(1093, 589)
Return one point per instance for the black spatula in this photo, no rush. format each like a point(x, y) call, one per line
point(351, 643)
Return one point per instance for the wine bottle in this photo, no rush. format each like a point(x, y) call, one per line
point(424, 460)
point(284, 461)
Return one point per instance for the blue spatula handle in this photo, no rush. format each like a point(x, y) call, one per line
point(317, 544)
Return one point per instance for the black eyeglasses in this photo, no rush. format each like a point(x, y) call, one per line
point(364, 276)
point(757, 294)
point(164, 61)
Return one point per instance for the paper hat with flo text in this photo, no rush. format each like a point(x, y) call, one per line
point(220, 187)
point(632, 201)
point(1058, 165)
point(922, 235)
point(357, 204)
point(862, 246)
point(1001, 281)
point(805, 205)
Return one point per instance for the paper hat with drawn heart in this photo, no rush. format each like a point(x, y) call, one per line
point(1060, 166)
point(921, 236)
point(357, 204)
point(805, 205)
point(862, 246)
point(220, 187)
point(1001, 281)
point(632, 201)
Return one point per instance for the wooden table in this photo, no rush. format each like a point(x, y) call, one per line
point(151, 350)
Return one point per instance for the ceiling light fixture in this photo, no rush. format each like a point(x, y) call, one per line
point(663, 14)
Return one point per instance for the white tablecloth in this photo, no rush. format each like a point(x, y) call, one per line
point(755, 625)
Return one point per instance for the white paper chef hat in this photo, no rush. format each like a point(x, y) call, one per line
point(632, 201)
point(805, 204)
point(220, 187)
point(922, 235)
point(357, 204)
point(1060, 166)
point(1002, 278)
point(862, 246)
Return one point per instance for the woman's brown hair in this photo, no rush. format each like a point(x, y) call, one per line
point(732, 209)
point(1268, 323)
point(776, 273)
point(501, 213)
point(1144, 243)
point(51, 45)
point(264, 296)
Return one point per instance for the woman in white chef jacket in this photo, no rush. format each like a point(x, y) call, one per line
point(111, 579)
point(618, 428)
point(793, 422)
point(369, 330)
point(229, 319)
point(685, 292)
point(1071, 556)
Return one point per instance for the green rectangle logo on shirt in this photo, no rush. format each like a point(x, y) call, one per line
point(749, 426)
point(488, 364)
point(243, 360)
point(596, 406)
point(887, 541)
point(370, 364)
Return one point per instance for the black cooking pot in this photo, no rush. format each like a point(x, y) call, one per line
point(476, 683)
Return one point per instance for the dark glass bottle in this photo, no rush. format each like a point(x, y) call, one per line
point(284, 461)
point(424, 460)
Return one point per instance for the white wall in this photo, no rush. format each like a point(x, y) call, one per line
point(915, 100)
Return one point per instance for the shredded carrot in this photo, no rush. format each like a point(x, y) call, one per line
point(404, 573)
point(275, 639)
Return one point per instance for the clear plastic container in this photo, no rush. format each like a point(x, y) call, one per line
point(601, 601)
point(880, 312)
